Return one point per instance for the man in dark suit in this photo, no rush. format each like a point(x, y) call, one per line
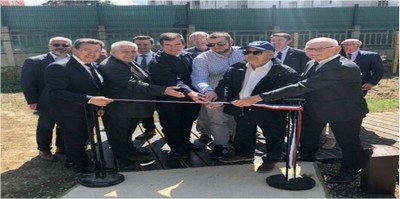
point(144, 56)
point(124, 78)
point(71, 87)
point(32, 84)
point(370, 63)
point(172, 67)
point(331, 87)
point(260, 74)
point(293, 57)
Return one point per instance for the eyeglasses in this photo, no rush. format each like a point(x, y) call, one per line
point(222, 43)
point(317, 49)
point(257, 52)
point(63, 45)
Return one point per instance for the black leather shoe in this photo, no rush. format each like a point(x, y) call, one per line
point(193, 147)
point(205, 139)
point(342, 178)
point(146, 135)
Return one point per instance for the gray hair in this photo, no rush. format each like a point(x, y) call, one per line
point(117, 45)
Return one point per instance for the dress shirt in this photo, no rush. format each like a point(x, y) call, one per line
point(209, 68)
point(284, 53)
point(354, 55)
point(59, 60)
point(322, 62)
point(253, 77)
point(149, 57)
point(87, 68)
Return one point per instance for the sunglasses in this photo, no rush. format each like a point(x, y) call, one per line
point(63, 45)
point(222, 43)
point(257, 52)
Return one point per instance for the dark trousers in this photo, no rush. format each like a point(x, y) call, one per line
point(176, 121)
point(148, 124)
point(347, 135)
point(119, 132)
point(273, 131)
point(44, 132)
point(75, 137)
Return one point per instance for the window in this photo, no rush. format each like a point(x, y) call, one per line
point(383, 3)
point(293, 4)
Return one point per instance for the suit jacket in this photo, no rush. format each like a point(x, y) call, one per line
point(371, 67)
point(153, 54)
point(296, 59)
point(70, 87)
point(168, 70)
point(229, 87)
point(120, 82)
point(332, 94)
point(32, 79)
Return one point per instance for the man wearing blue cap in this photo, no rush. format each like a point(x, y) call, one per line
point(261, 73)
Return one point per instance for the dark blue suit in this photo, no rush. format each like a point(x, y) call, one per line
point(371, 67)
point(32, 84)
point(296, 59)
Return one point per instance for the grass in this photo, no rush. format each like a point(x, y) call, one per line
point(383, 105)
point(10, 86)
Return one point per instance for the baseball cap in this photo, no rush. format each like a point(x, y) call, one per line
point(261, 45)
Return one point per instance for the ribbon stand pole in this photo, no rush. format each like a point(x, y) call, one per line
point(294, 182)
point(102, 177)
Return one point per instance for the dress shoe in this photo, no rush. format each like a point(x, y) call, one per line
point(342, 178)
point(47, 156)
point(192, 147)
point(139, 157)
point(146, 135)
point(86, 169)
point(237, 158)
point(60, 151)
point(180, 155)
point(69, 163)
point(205, 139)
point(219, 152)
point(265, 167)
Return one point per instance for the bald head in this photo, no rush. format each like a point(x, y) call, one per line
point(322, 48)
point(351, 45)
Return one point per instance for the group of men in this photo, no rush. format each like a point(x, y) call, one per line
point(195, 80)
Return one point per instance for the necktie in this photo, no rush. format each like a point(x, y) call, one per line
point(137, 72)
point(311, 71)
point(279, 56)
point(143, 63)
point(94, 74)
point(349, 56)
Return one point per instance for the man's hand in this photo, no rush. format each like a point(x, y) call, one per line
point(33, 106)
point(100, 101)
point(248, 101)
point(171, 91)
point(211, 96)
point(366, 86)
point(197, 97)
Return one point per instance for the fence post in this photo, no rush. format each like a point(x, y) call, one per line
point(191, 29)
point(395, 62)
point(7, 45)
point(295, 40)
point(355, 33)
point(101, 34)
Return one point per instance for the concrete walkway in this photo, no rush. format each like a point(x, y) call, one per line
point(231, 181)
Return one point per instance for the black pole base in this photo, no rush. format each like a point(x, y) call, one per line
point(110, 179)
point(294, 184)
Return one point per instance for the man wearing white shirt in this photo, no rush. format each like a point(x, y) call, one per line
point(261, 73)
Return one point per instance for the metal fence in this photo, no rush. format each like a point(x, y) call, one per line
point(35, 41)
